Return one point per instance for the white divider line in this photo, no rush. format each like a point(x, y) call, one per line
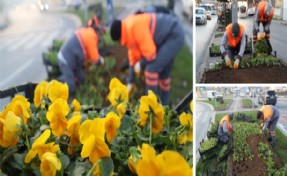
point(48, 41)
point(22, 41)
point(35, 41)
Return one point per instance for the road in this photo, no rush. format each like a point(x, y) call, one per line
point(282, 124)
point(204, 116)
point(204, 33)
point(23, 41)
point(278, 38)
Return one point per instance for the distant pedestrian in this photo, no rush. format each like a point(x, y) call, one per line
point(269, 114)
point(153, 40)
point(225, 128)
point(233, 44)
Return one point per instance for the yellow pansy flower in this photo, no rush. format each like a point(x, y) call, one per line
point(8, 129)
point(92, 136)
point(72, 131)
point(168, 163)
point(118, 92)
point(57, 116)
point(38, 142)
point(121, 109)
point(50, 164)
point(174, 164)
point(112, 123)
point(40, 92)
point(186, 135)
point(21, 107)
point(57, 90)
point(149, 106)
point(118, 96)
point(76, 105)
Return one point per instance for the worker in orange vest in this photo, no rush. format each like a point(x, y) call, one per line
point(79, 51)
point(233, 44)
point(153, 41)
point(225, 128)
point(269, 114)
point(264, 14)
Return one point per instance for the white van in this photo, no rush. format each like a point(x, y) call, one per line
point(209, 7)
point(187, 6)
point(211, 95)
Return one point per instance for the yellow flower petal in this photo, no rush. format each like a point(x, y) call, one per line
point(88, 146)
point(30, 155)
point(175, 164)
point(43, 138)
point(112, 123)
point(191, 106)
point(76, 105)
point(12, 122)
point(40, 92)
point(57, 90)
point(147, 151)
point(50, 164)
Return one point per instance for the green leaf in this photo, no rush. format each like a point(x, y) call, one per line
point(106, 166)
point(65, 161)
point(79, 170)
point(7, 154)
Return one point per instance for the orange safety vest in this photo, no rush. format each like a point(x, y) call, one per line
point(233, 42)
point(261, 8)
point(137, 35)
point(226, 118)
point(267, 112)
point(89, 42)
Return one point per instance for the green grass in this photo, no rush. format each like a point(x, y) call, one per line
point(181, 75)
point(280, 149)
point(218, 35)
point(247, 102)
point(219, 106)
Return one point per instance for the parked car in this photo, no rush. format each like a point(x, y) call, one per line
point(209, 7)
point(200, 15)
point(211, 95)
point(188, 9)
point(251, 11)
point(268, 98)
point(43, 5)
point(75, 4)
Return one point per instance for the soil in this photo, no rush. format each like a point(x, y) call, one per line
point(256, 166)
point(247, 75)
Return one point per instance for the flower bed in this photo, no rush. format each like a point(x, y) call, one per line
point(52, 137)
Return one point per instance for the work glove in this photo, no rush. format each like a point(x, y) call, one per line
point(137, 68)
point(260, 131)
point(261, 126)
point(101, 61)
point(236, 64)
point(227, 60)
point(131, 88)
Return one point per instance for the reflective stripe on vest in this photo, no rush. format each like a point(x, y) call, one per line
point(261, 9)
point(231, 41)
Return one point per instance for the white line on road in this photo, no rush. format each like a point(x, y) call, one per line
point(32, 43)
point(7, 43)
point(49, 39)
point(16, 73)
point(23, 41)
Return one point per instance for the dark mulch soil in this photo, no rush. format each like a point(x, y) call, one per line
point(256, 166)
point(247, 75)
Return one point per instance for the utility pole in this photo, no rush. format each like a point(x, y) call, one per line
point(234, 11)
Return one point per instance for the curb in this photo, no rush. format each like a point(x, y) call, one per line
point(205, 58)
